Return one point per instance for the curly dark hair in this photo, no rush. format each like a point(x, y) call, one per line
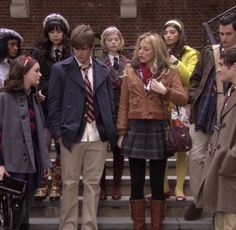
point(4, 46)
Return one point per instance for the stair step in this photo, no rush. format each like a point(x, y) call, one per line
point(123, 202)
point(126, 179)
point(109, 162)
point(115, 223)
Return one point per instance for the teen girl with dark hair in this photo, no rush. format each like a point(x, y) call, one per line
point(54, 47)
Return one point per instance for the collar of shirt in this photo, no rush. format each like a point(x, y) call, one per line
point(90, 72)
point(80, 64)
point(6, 61)
point(59, 48)
point(111, 57)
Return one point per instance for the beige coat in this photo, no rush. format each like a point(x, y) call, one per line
point(218, 186)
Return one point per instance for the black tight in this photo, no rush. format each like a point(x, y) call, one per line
point(157, 173)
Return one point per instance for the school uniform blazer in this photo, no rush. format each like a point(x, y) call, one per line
point(17, 152)
point(218, 184)
point(67, 110)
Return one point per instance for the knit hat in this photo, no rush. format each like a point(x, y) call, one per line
point(58, 19)
point(8, 33)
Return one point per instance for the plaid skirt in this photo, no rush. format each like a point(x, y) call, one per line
point(145, 139)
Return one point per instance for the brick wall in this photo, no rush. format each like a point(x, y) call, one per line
point(151, 14)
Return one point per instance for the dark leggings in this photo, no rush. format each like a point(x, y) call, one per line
point(157, 174)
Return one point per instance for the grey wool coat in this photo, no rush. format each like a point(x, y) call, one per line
point(17, 154)
point(218, 185)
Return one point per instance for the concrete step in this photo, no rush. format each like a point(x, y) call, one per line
point(125, 223)
point(109, 162)
point(112, 208)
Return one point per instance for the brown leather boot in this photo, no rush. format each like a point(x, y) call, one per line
point(118, 163)
point(55, 192)
point(157, 213)
point(138, 213)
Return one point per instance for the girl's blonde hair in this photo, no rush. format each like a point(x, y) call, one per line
point(107, 32)
point(160, 61)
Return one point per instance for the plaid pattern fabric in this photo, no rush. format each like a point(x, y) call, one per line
point(145, 139)
point(115, 75)
point(206, 111)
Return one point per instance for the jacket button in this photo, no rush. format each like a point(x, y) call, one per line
point(24, 158)
point(22, 105)
point(23, 117)
point(68, 106)
point(218, 146)
point(85, 115)
point(23, 153)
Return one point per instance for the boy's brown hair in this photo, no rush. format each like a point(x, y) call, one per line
point(82, 36)
point(229, 56)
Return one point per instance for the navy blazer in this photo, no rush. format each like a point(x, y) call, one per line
point(66, 102)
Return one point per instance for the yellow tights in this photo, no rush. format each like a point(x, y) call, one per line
point(181, 170)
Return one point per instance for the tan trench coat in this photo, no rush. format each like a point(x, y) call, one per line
point(218, 185)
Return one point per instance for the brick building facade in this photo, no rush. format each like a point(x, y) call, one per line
point(151, 14)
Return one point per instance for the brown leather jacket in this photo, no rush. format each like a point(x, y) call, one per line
point(137, 103)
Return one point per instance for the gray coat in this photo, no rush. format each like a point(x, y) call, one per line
point(17, 154)
point(218, 185)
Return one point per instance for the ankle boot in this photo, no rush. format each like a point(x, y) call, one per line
point(42, 192)
point(118, 163)
point(157, 213)
point(55, 192)
point(138, 213)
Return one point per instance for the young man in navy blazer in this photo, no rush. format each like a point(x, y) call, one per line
point(83, 137)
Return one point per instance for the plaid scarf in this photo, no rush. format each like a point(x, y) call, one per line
point(206, 111)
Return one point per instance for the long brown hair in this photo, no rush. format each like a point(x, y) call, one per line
point(18, 68)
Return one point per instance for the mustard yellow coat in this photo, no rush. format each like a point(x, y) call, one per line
point(187, 64)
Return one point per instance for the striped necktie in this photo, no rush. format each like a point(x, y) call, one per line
point(89, 96)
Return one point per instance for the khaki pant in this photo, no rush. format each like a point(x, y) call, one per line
point(197, 157)
point(225, 221)
point(87, 159)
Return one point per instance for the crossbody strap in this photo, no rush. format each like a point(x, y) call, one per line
point(219, 83)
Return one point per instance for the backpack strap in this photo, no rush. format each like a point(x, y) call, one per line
point(219, 83)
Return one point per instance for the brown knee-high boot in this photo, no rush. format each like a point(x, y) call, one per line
point(138, 213)
point(157, 213)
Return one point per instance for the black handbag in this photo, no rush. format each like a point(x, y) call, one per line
point(12, 192)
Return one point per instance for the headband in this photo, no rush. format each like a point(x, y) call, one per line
point(58, 18)
point(173, 22)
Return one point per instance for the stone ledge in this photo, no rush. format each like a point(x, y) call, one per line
point(115, 223)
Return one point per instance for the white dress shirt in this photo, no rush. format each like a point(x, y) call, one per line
point(4, 71)
point(91, 131)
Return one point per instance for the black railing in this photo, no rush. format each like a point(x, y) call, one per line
point(212, 36)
